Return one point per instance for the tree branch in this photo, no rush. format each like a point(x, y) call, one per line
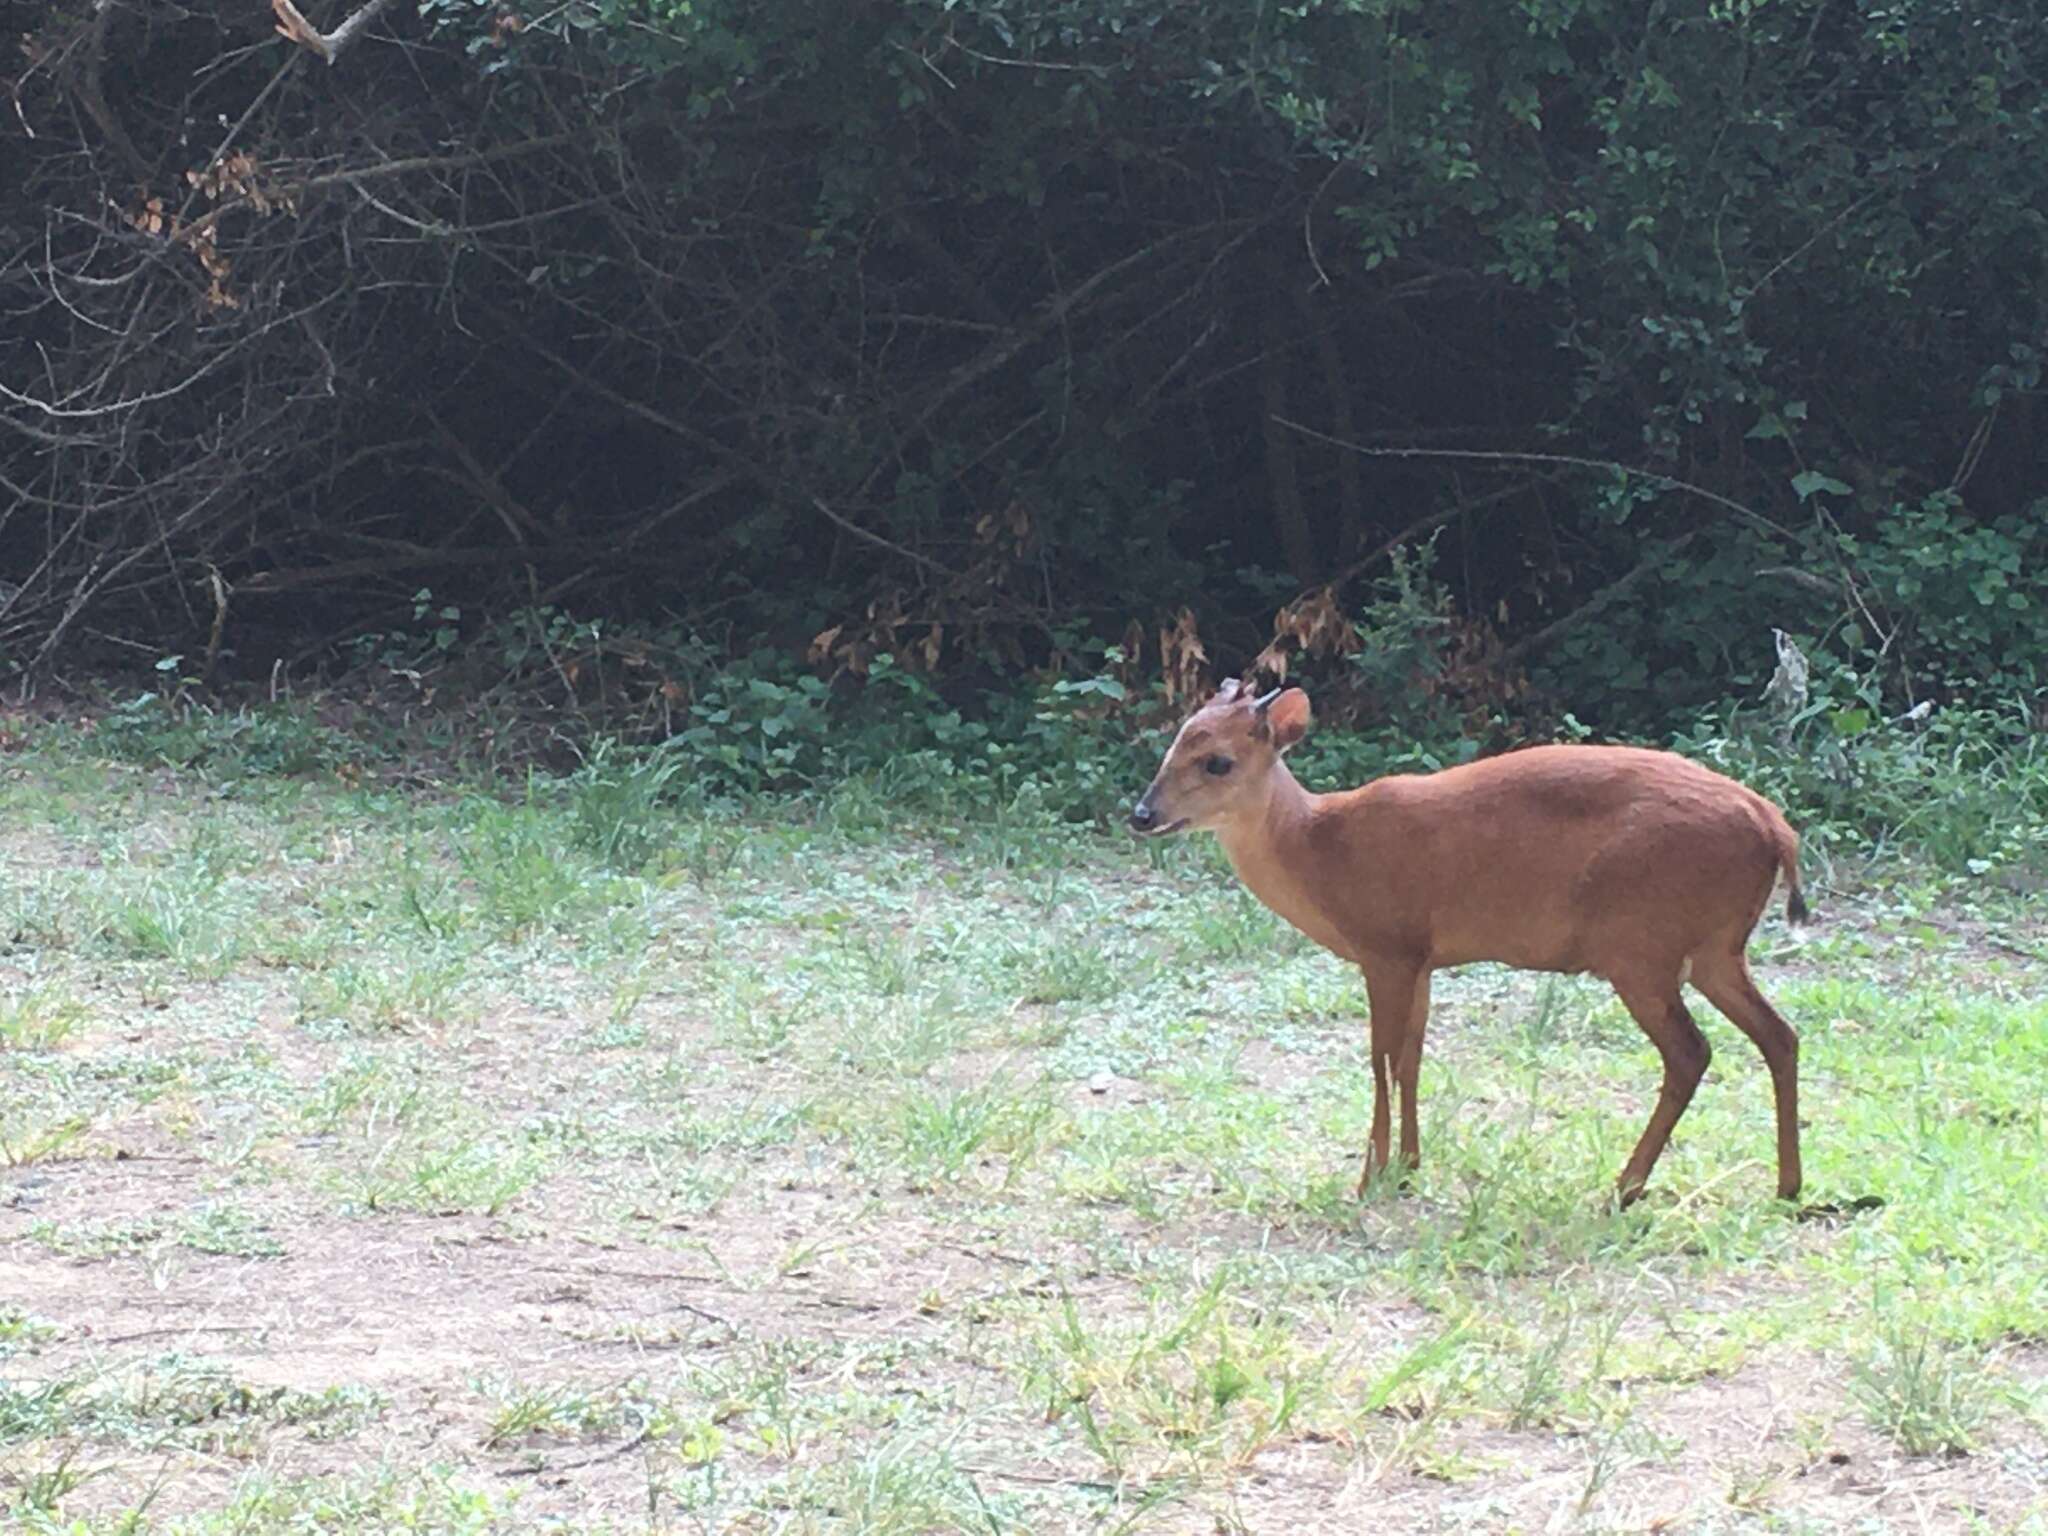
point(1599, 600)
point(291, 24)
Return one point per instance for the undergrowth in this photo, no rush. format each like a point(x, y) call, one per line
point(1965, 790)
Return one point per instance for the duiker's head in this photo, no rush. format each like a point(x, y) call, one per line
point(1221, 761)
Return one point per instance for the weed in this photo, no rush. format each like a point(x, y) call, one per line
point(367, 999)
point(175, 919)
point(1552, 1378)
point(1968, 789)
point(426, 897)
point(40, 1491)
point(227, 1229)
point(445, 1172)
point(753, 1017)
point(524, 1414)
point(1430, 1357)
point(26, 1139)
point(618, 803)
point(1197, 1375)
point(620, 1029)
point(176, 1401)
point(1928, 1396)
point(936, 1134)
point(391, 1500)
point(915, 1035)
point(39, 1018)
point(1232, 925)
point(528, 877)
point(885, 963)
point(1072, 964)
point(904, 1486)
point(384, 1092)
point(22, 1332)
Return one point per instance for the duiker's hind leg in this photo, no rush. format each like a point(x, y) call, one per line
point(1725, 982)
point(1408, 1072)
point(1658, 1009)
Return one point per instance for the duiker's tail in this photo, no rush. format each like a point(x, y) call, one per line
point(1796, 912)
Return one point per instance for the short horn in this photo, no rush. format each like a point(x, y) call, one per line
point(1265, 700)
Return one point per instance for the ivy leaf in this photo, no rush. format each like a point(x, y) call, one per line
point(1809, 481)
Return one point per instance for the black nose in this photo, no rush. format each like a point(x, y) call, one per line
point(1143, 817)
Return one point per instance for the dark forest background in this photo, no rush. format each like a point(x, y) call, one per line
point(1543, 357)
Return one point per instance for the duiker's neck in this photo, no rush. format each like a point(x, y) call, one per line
point(1281, 811)
point(1270, 846)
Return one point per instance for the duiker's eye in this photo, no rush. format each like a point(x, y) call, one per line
point(1217, 766)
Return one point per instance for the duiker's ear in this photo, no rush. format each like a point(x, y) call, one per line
point(1288, 717)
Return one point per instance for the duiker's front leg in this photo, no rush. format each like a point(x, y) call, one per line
point(1390, 992)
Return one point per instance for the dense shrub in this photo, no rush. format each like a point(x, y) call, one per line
point(956, 327)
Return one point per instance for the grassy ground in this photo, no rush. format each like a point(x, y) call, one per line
point(428, 1161)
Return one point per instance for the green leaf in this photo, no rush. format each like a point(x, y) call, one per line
point(1808, 481)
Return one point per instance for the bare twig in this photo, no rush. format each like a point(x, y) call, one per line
point(1050, 316)
point(1568, 460)
point(181, 1332)
point(868, 535)
point(1423, 525)
point(535, 1468)
point(417, 164)
point(1808, 244)
point(1799, 578)
point(220, 589)
point(990, 58)
point(93, 98)
point(1973, 452)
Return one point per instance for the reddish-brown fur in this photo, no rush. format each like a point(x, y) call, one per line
point(1640, 867)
